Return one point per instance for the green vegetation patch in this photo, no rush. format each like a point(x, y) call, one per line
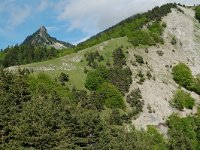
point(183, 132)
point(135, 101)
point(111, 96)
point(183, 75)
point(183, 100)
point(94, 80)
point(197, 13)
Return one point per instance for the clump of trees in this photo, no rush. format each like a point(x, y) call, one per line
point(184, 132)
point(135, 101)
point(24, 54)
point(149, 37)
point(37, 112)
point(92, 58)
point(116, 78)
point(119, 58)
point(118, 74)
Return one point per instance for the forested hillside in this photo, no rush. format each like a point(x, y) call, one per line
point(136, 86)
point(39, 112)
point(18, 55)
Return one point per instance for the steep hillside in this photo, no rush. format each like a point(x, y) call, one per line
point(156, 93)
point(103, 96)
point(185, 29)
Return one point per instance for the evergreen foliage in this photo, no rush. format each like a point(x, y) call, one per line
point(91, 58)
point(18, 55)
point(63, 78)
point(139, 59)
point(197, 13)
point(135, 101)
point(119, 58)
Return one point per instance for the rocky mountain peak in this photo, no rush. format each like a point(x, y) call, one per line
point(42, 30)
point(42, 38)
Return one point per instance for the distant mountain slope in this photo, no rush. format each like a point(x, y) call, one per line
point(42, 38)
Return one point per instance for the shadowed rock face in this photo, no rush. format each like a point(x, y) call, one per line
point(42, 38)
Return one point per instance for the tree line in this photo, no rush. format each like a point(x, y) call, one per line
point(24, 54)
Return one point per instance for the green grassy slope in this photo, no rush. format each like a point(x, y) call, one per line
point(129, 33)
point(73, 64)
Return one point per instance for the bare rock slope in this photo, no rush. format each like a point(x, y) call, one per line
point(157, 93)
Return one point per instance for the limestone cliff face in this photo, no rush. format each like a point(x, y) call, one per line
point(158, 93)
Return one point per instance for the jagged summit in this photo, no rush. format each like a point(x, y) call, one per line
point(42, 38)
point(43, 30)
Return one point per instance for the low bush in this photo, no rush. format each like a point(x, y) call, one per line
point(63, 78)
point(160, 53)
point(139, 59)
point(183, 76)
point(173, 41)
point(182, 100)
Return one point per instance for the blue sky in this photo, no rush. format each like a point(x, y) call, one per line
point(68, 20)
